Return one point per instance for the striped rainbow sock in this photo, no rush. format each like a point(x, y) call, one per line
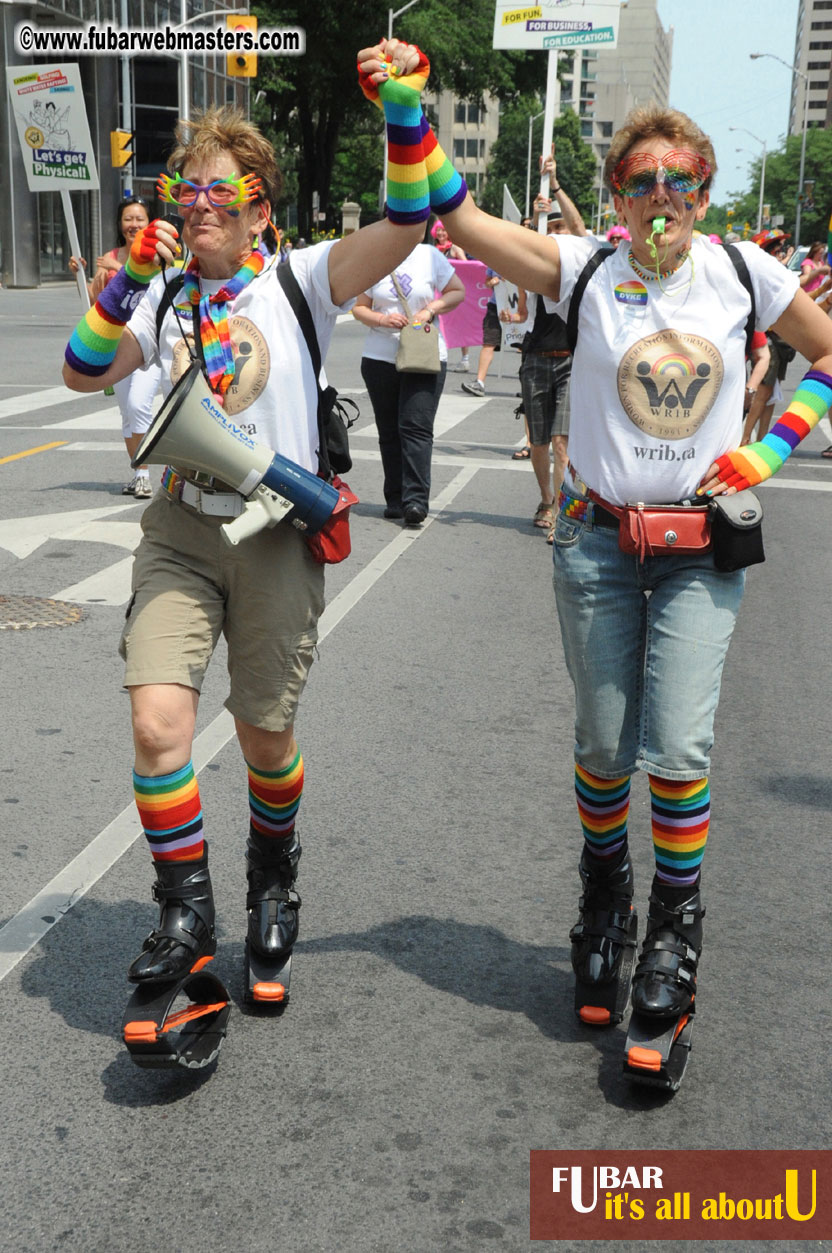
point(603, 807)
point(274, 798)
point(680, 815)
point(171, 814)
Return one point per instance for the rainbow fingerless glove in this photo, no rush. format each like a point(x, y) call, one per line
point(446, 185)
point(94, 342)
point(407, 180)
point(746, 467)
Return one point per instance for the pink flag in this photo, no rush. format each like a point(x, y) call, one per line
point(463, 327)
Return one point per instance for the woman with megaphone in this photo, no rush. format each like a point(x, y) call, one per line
point(266, 593)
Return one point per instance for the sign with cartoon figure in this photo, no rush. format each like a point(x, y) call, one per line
point(48, 107)
point(556, 24)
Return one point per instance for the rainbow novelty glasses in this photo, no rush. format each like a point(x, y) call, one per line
point(680, 170)
point(224, 193)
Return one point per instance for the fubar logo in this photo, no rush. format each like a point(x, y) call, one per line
point(745, 1194)
point(668, 383)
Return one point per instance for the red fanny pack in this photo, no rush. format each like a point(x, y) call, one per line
point(332, 543)
point(660, 530)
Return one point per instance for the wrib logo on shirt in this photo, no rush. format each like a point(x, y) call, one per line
point(252, 362)
point(668, 383)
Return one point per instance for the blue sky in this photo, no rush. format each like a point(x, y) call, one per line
point(714, 80)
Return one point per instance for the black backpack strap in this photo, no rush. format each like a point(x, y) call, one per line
point(597, 258)
point(172, 290)
point(301, 310)
point(738, 262)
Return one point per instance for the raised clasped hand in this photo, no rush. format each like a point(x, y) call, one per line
point(389, 65)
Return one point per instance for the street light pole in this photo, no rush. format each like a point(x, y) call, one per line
point(802, 161)
point(391, 14)
point(755, 56)
point(184, 68)
point(762, 172)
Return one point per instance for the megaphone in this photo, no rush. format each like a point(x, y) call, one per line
point(193, 431)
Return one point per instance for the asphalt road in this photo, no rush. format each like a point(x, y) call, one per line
point(430, 1042)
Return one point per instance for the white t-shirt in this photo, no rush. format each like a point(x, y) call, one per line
point(421, 275)
point(273, 397)
point(658, 376)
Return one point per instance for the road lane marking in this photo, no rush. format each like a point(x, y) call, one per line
point(98, 420)
point(30, 452)
point(22, 536)
point(31, 923)
point(32, 402)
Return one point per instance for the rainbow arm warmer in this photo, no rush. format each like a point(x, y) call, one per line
point(94, 342)
point(447, 187)
point(746, 467)
point(401, 101)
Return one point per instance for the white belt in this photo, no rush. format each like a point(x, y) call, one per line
point(220, 504)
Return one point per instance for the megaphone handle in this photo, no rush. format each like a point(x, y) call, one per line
point(264, 508)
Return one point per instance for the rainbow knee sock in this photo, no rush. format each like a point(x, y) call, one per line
point(274, 798)
point(603, 807)
point(680, 815)
point(171, 814)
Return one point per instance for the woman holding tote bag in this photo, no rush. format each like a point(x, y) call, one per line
point(405, 403)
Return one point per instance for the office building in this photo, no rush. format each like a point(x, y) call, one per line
point(139, 94)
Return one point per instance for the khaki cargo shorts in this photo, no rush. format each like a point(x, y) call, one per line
point(265, 596)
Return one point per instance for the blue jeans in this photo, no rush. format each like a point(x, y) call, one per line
point(645, 645)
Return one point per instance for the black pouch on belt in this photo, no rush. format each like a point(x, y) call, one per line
point(737, 531)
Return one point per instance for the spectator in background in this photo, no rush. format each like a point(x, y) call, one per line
point(135, 394)
point(451, 252)
point(492, 335)
point(546, 367)
point(404, 405)
point(813, 268)
point(617, 234)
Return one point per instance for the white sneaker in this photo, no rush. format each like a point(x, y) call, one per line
point(475, 388)
point(142, 490)
point(129, 489)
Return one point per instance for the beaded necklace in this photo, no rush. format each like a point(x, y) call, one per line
point(656, 277)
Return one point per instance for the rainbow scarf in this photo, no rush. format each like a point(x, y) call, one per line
point(213, 318)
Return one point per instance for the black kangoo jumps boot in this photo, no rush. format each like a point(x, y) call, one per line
point(186, 922)
point(604, 940)
point(271, 870)
point(664, 985)
point(272, 904)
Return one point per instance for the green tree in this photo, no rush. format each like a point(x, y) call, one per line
point(311, 102)
point(781, 186)
point(576, 162)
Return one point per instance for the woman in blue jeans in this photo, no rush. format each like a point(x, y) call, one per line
point(657, 389)
point(404, 405)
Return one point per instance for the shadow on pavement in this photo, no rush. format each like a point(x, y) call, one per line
point(82, 963)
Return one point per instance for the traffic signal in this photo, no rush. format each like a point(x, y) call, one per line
point(118, 143)
point(242, 64)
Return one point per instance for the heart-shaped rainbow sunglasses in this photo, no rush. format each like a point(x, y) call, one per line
point(680, 170)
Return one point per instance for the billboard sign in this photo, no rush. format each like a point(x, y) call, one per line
point(552, 24)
